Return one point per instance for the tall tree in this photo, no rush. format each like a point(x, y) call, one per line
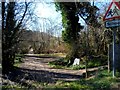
point(70, 17)
point(10, 33)
point(72, 28)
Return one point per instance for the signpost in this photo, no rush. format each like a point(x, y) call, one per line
point(114, 34)
point(112, 20)
point(113, 11)
point(113, 23)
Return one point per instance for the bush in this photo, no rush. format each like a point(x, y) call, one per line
point(60, 62)
point(92, 64)
point(77, 67)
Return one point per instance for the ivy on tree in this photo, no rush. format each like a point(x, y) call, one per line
point(70, 17)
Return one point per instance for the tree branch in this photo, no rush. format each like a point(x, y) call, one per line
point(26, 7)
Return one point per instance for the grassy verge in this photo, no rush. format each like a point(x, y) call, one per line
point(58, 64)
point(49, 55)
point(103, 81)
point(61, 63)
point(18, 59)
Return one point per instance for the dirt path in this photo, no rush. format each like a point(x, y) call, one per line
point(38, 69)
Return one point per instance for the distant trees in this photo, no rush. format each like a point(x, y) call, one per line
point(13, 17)
point(41, 42)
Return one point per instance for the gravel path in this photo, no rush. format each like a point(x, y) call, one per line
point(38, 69)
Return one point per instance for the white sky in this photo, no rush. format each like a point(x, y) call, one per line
point(48, 11)
point(45, 10)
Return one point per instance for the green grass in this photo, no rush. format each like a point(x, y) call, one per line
point(61, 63)
point(58, 64)
point(94, 64)
point(12, 88)
point(18, 59)
point(50, 55)
point(77, 67)
point(103, 81)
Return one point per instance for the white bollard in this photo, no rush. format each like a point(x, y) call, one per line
point(76, 61)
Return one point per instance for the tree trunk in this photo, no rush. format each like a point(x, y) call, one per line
point(8, 39)
point(73, 54)
point(7, 62)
